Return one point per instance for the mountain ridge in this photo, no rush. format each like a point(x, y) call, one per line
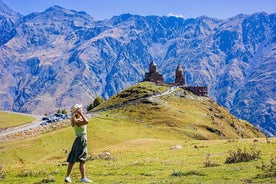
point(47, 62)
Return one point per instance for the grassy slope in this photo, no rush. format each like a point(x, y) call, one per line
point(137, 91)
point(139, 139)
point(141, 154)
point(11, 119)
point(180, 111)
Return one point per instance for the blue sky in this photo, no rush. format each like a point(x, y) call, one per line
point(103, 9)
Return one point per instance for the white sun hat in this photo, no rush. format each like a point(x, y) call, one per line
point(75, 107)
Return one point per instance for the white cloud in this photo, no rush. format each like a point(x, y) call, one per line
point(175, 15)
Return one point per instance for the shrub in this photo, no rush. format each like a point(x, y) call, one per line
point(2, 173)
point(47, 180)
point(243, 155)
point(98, 101)
point(177, 173)
point(28, 173)
point(269, 170)
point(63, 111)
point(188, 173)
point(90, 107)
point(208, 162)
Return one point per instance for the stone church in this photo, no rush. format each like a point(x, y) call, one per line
point(154, 76)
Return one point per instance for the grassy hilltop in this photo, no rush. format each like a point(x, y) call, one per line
point(185, 114)
point(140, 136)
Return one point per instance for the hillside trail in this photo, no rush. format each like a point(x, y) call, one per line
point(38, 119)
point(23, 127)
point(169, 91)
point(34, 125)
point(156, 99)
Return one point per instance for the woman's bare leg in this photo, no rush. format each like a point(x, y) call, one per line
point(69, 169)
point(82, 169)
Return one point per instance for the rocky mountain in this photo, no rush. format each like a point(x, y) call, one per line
point(7, 19)
point(55, 58)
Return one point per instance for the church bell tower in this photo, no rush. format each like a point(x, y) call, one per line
point(179, 76)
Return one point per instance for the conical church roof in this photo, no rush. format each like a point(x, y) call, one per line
point(153, 63)
point(179, 68)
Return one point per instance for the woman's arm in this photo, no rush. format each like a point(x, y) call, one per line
point(81, 121)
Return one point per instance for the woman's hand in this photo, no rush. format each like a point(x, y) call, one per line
point(83, 120)
point(79, 111)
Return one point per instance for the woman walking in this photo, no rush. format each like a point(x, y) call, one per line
point(79, 149)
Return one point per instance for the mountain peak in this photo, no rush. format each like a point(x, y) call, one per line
point(54, 8)
point(7, 11)
point(57, 8)
point(63, 13)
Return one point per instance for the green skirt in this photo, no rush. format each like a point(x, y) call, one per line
point(79, 150)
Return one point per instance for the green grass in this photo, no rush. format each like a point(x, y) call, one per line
point(185, 113)
point(187, 118)
point(139, 135)
point(11, 119)
point(141, 154)
point(137, 91)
